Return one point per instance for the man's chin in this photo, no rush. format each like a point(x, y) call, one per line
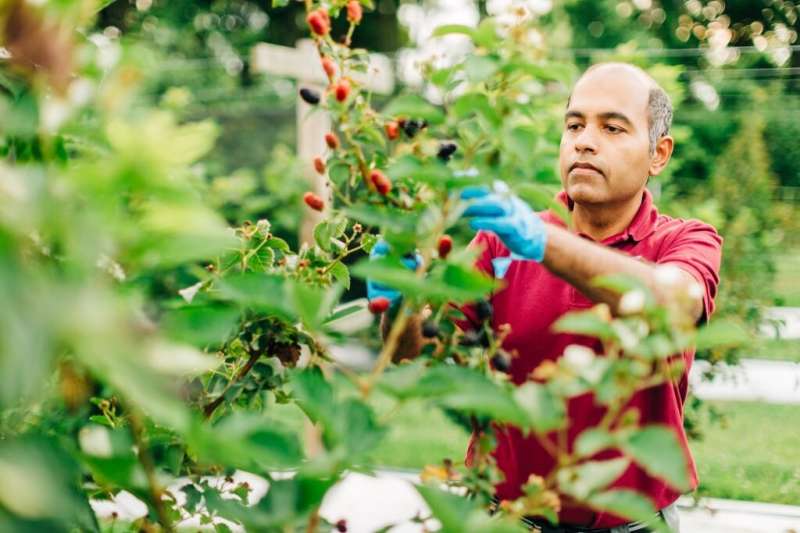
point(582, 193)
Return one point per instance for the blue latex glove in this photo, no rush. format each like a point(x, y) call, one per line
point(500, 211)
point(375, 289)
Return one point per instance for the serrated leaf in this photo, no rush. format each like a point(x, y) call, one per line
point(593, 440)
point(656, 449)
point(585, 323)
point(449, 29)
point(627, 504)
point(341, 274)
point(544, 410)
point(414, 106)
point(722, 333)
point(585, 478)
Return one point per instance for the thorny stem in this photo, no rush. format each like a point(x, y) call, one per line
point(148, 465)
point(209, 409)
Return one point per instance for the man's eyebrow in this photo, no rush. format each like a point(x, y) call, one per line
point(608, 115)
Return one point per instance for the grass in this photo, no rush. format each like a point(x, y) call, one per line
point(755, 457)
point(787, 288)
point(777, 349)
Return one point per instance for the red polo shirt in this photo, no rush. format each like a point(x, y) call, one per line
point(534, 298)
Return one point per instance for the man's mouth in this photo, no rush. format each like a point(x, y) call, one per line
point(585, 166)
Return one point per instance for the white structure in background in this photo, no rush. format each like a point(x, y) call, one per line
point(302, 63)
point(782, 322)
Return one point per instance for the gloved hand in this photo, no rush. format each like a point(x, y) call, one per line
point(375, 289)
point(500, 211)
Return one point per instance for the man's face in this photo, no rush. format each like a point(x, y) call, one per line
point(605, 151)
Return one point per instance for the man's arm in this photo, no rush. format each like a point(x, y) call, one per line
point(578, 261)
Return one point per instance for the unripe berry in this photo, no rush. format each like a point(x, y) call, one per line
point(444, 246)
point(319, 165)
point(354, 12)
point(392, 130)
point(378, 305)
point(332, 140)
point(382, 184)
point(313, 201)
point(342, 90)
point(329, 66)
point(319, 22)
point(310, 96)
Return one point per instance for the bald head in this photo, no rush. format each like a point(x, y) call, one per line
point(657, 102)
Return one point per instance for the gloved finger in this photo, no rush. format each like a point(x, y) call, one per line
point(375, 290)
point(502, 226)
point(489, 206)
point(475, 191)
point(380, 249)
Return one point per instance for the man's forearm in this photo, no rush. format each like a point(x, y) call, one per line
point(578, 261)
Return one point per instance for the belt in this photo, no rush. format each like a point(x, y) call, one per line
point(538, 525)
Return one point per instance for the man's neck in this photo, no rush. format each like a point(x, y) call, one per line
point(600, 221)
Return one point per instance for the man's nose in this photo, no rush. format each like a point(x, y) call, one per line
point(586, 141)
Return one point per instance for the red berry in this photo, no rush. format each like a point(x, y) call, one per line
point(319, 22)
point(319, 165)
point(329, 67)
point(378, 305)
point(382, 184)
point(342, 90)
point(392, 130)
point(332, 140)
point(445, 245)
point(313, 201)
point(341, 526)
point(354, 12)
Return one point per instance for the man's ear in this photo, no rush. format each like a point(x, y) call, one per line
point(661, 155)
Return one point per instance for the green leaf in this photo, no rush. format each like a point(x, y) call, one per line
point(449, 29)
point(471, 103)
point(544, 410)
point(259, 291)
point(201, 325)
point(341, 274)
point(627, 504)
point(621, 283)
point(452, 283)
point(280, 3)
point(480, 68)
point(656, 449)
point(464, 389)
point(585, 478)
point(585, 323)
point(722, 333)
point(486, 34)
point(247, 441)
point(593, 440)
point(414, 106)
point(450, 509)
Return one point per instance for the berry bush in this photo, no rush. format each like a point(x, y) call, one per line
point(143, 340)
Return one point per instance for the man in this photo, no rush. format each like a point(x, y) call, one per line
point(616, 135)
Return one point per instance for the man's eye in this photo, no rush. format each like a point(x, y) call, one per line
point(613, 129)
point(573, 127)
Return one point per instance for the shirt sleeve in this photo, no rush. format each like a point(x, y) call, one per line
point(697, 249)
point(487, 245)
